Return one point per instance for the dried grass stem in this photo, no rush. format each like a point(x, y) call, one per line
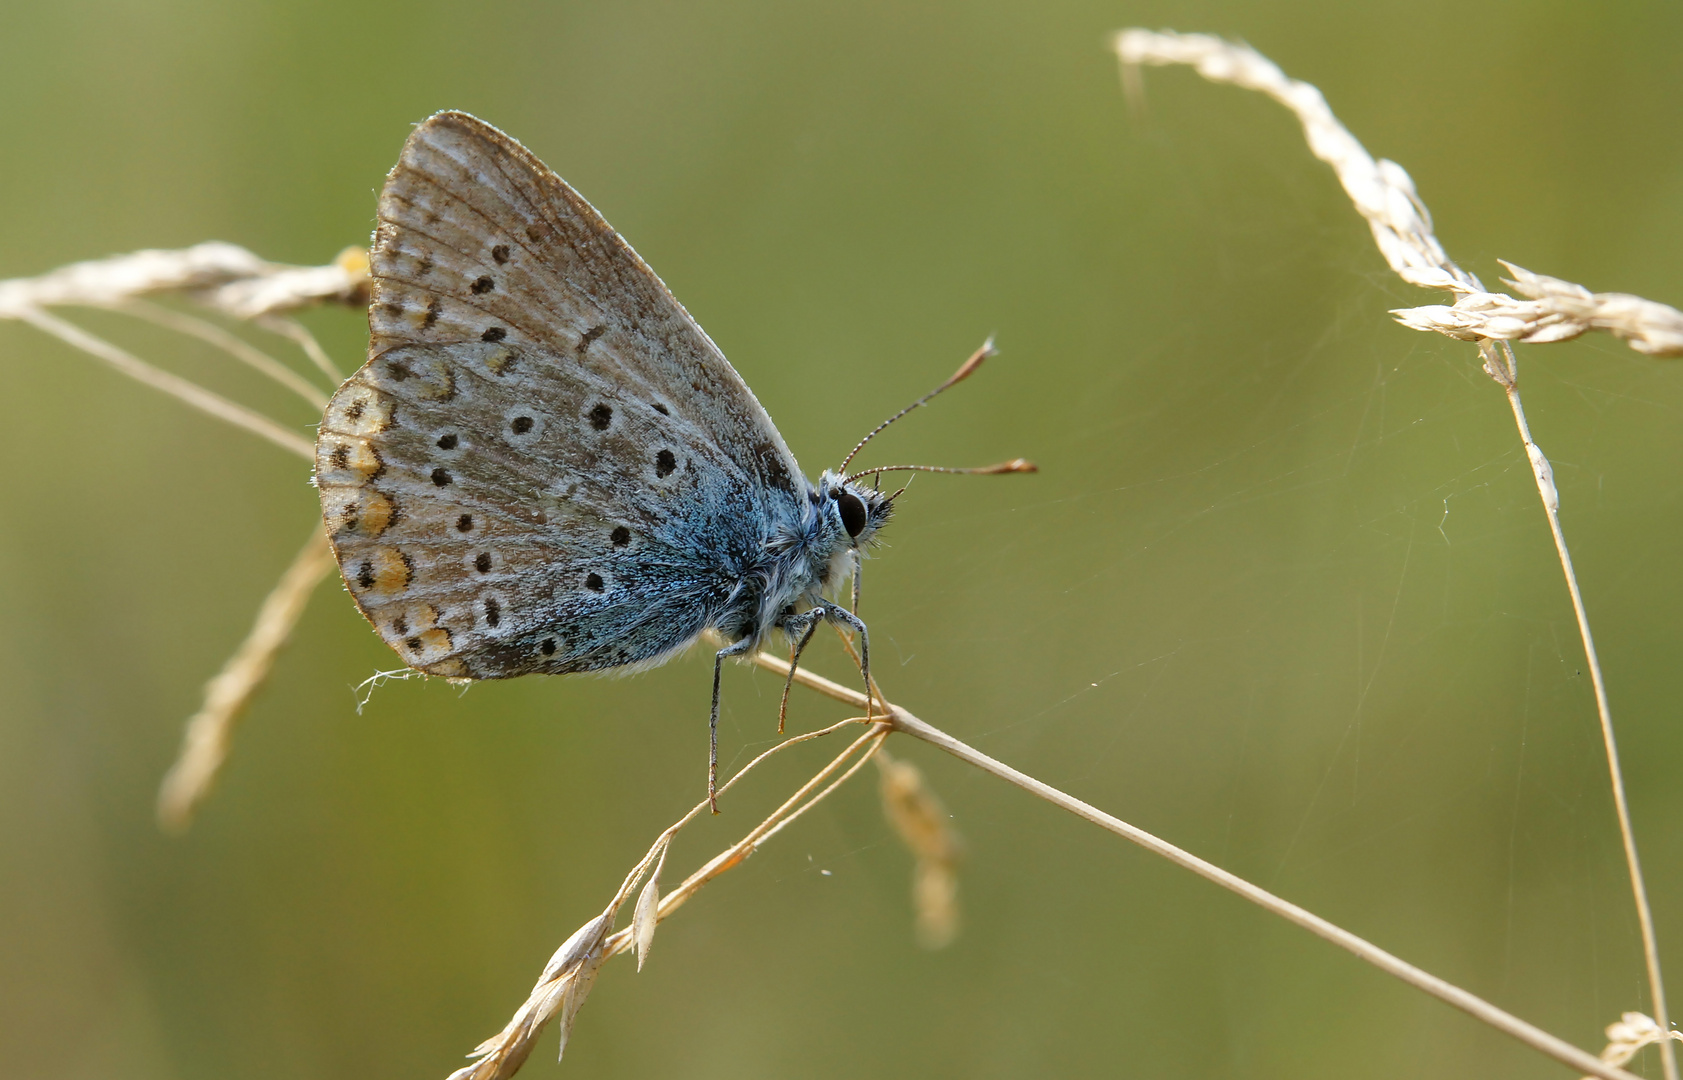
point(905, 722)
point(1384, 195)
point(210, 731)
point(183, 390)
point(565, 980)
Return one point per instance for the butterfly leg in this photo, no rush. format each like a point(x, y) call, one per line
point(858, 567)
point(713, 720)
point(837, 613)
point(810, 620)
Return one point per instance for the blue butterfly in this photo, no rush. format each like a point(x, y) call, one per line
point(546, 466)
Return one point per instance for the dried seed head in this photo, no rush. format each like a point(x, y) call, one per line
point(645, 919)
point(1630, 1033)
point(916, 814)
point(926, 828)
point(935, 895)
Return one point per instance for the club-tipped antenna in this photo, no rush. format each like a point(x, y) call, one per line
point(1014, 465)
point(963, 372)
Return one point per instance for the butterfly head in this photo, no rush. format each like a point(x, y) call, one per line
point(856, 508)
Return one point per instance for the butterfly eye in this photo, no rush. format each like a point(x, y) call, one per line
point(852, 513)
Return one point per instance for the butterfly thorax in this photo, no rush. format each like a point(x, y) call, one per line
point(806, 556)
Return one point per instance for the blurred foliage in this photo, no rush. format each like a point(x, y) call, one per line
point(1282, 591)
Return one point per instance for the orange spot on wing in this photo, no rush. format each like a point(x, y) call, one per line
point(375, 514)
point(390, 571)
point(437, 639)
point(363, 460)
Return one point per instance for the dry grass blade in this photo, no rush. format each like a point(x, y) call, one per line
point(100, 282)
point(283, 289)
point(295, 331)
point(560, 989)
point(222, 276)
point(181, 389)
point(646, 916)
point(1627, 1035)
point(902, 721)
point(245, 353)
point(1383, 194)
point(1381, 190)
point(1553, 310)
point(566, 979)
point(205, 743)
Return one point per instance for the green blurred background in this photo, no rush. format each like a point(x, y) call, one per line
point(1282, 591)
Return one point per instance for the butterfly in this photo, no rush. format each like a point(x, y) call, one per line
point(546, 466)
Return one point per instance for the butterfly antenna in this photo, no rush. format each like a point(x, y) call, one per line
point(1014, 465)
point(964, 371)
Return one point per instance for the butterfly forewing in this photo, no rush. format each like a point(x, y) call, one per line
point(544, 463)
point(479, 240)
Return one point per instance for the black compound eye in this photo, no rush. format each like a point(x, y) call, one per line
point(852, 513)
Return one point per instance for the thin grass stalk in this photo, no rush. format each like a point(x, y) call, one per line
point(232, 344)
point(791, 808)
point(183, 390)
point(584, 952)
point(1621, 806)
point(1477, 1007)
point(1383, 194)
point(293, 330)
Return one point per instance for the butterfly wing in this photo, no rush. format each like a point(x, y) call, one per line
point(545, 465)
point(479, 240)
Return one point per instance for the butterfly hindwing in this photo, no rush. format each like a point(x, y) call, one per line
point(496, 512)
